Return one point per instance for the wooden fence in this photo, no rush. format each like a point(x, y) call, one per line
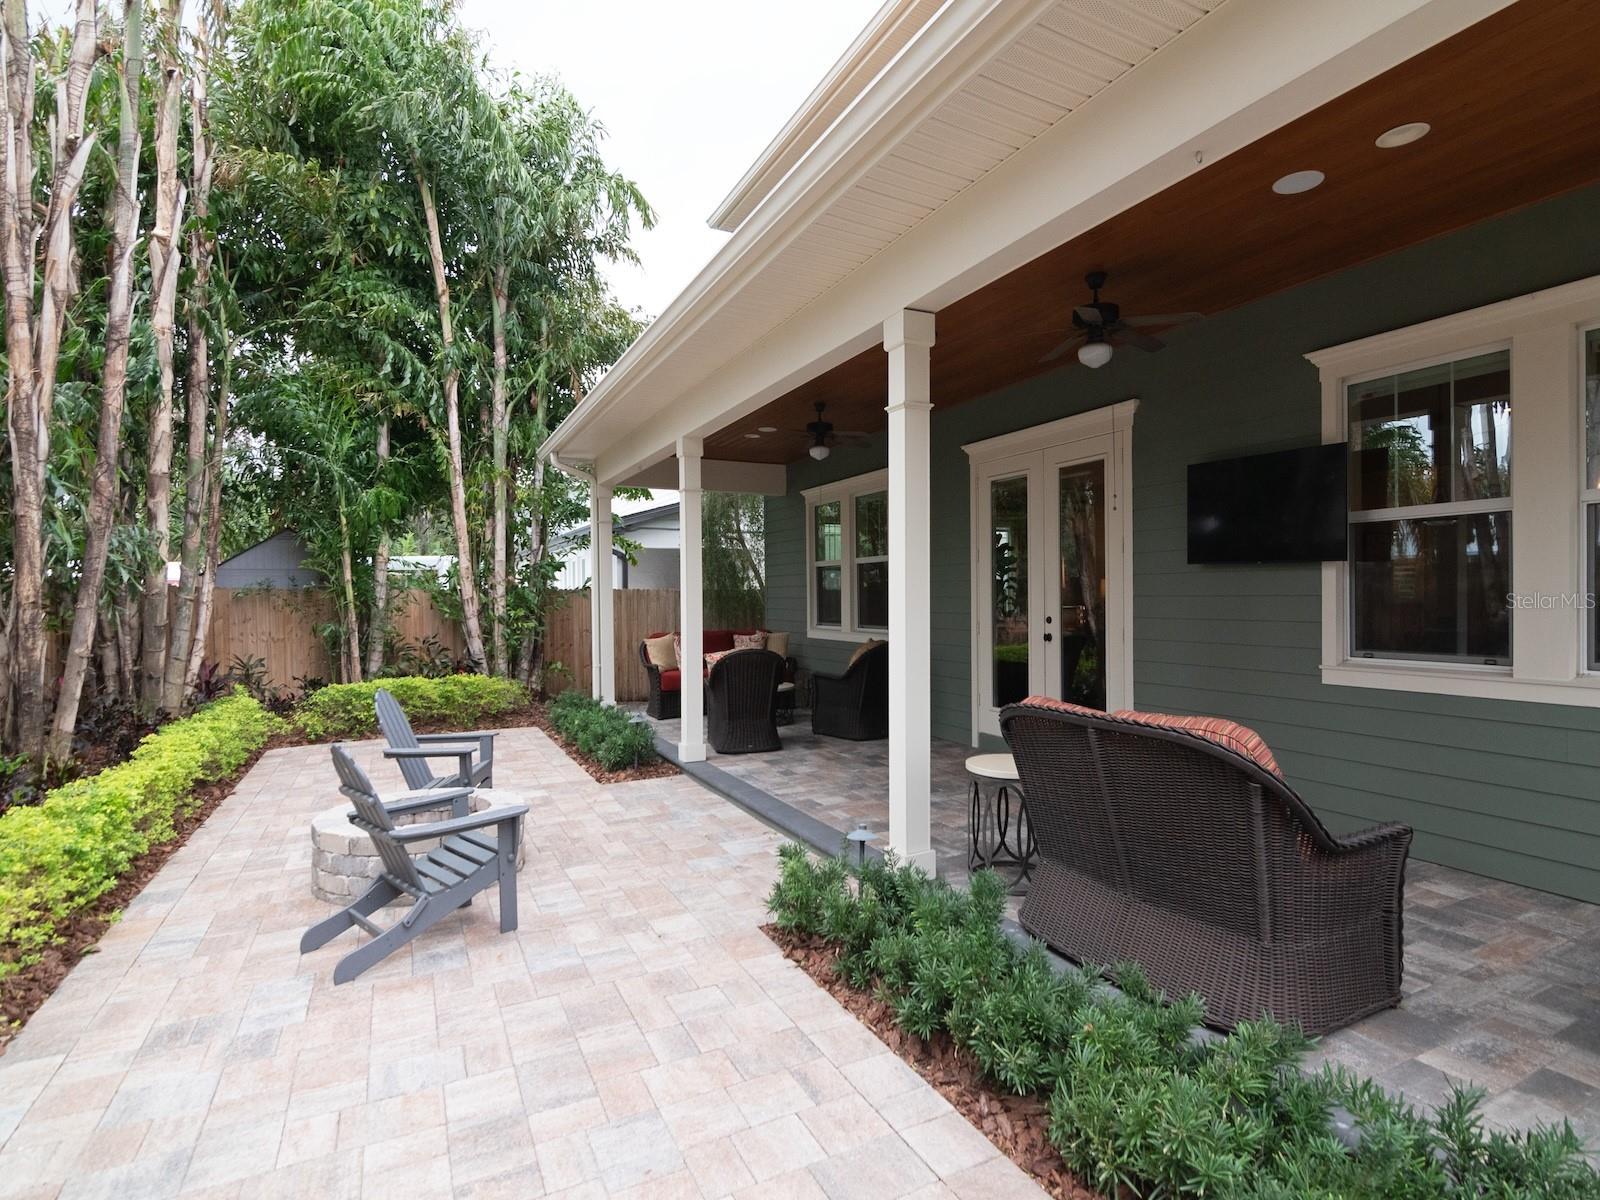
point(279, 627)
point(637, 612)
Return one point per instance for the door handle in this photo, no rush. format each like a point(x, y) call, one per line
point(1049, 637)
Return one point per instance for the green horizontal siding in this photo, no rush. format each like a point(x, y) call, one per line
point(1502, 788)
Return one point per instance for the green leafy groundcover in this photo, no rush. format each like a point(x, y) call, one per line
point(605, 733)
point(59, 856)
point(346, 709)
point(1137, 1108)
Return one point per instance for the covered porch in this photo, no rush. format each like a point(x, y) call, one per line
point(1502, 983)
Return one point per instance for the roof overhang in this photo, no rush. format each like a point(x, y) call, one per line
point(798, 290)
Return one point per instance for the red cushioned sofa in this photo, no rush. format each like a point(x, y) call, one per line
point(665, 685)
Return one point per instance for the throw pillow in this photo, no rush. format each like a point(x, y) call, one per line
point(750, 641)
point(778, 643)
point(715, 657)
point(662, 651)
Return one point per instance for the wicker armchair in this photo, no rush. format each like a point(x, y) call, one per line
point(742, 702)
point(1163, 846)
point(854, 705)
point(665, 703)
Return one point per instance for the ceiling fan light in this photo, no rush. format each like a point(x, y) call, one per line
point(1094, 354)
point(819, 452)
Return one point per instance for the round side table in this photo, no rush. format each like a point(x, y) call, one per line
point(999, 833)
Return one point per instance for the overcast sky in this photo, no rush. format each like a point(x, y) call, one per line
point(689, 92)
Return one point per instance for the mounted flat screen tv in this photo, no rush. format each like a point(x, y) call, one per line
point(1286, 507)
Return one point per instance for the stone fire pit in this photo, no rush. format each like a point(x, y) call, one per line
point(344, 861)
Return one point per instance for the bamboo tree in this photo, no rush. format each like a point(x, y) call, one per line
point(124, 220)
point(197, 381)
point(165, 255)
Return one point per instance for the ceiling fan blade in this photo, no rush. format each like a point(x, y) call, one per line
point(1072, 343)
point(1162, 319)
point(1132, 337)
point(1090, 314)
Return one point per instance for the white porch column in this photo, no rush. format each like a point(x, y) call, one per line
point(691, 610)
point(907, 337)
point(602, 633)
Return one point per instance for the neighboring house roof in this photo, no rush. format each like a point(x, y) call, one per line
point(276, 561)
point(662, 516)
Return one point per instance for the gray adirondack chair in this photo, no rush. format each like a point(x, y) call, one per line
point(474, 760)
point(475, 852)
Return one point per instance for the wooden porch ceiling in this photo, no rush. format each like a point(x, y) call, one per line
point(1514, 102)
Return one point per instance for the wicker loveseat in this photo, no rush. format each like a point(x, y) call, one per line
point(1176, 843)
point(665, 685)
point(854, 704)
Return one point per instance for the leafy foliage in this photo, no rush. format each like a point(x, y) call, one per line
point(1139, 1106)
point(346, 709)
point(602, 732)
point(59, 856)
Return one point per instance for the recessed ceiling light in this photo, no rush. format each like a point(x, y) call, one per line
point(1298, 181)
point(767, 428)
point(1403, 135)
point(752, 435)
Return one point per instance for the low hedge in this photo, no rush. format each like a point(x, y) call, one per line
point(605, 733)
point(346, 709)
point(59, 856)
point(1137, 1107)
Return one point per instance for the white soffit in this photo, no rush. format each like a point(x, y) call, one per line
point(1069, 52)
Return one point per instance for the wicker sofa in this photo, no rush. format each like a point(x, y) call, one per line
point(665, 685)
point(1177, 844)
point(854, 704)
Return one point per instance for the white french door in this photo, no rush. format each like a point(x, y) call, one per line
point(1051, 566)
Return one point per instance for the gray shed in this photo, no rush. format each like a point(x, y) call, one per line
point(277, 562)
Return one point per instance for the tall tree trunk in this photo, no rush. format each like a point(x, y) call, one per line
point(22, 418)
point(197, 382)
point(378, 626)
point(208, 575)
point(499, 421)
point(164, 259)
point(533, 676)
point(113, 390)
point(352, 631)
point(33, 339)
point(110, 674)
point(471, 623)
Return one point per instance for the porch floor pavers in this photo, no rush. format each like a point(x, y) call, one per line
point(637, 1036)
point(1502, 983)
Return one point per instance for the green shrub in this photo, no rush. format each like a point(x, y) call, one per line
point(346, 709)
point(59, 856)
point(1137, 1107)
point(602, 732)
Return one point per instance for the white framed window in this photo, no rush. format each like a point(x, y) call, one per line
point(1471, 572)
point(847, 558)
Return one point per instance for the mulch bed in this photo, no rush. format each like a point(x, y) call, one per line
point(1017, 1125)
point(536, 716)
point(21, 994)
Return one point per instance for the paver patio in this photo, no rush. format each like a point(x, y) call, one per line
point(637, 1036)
point(1502, 983)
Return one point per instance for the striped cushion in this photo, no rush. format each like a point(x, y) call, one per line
point(1230, 735)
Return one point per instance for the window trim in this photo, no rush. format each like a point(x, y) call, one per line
point(1544, 331)
point(1588, 497)
point(845, 491)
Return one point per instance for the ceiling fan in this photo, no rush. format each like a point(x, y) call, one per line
point(1099, 326)
point(824, 436)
